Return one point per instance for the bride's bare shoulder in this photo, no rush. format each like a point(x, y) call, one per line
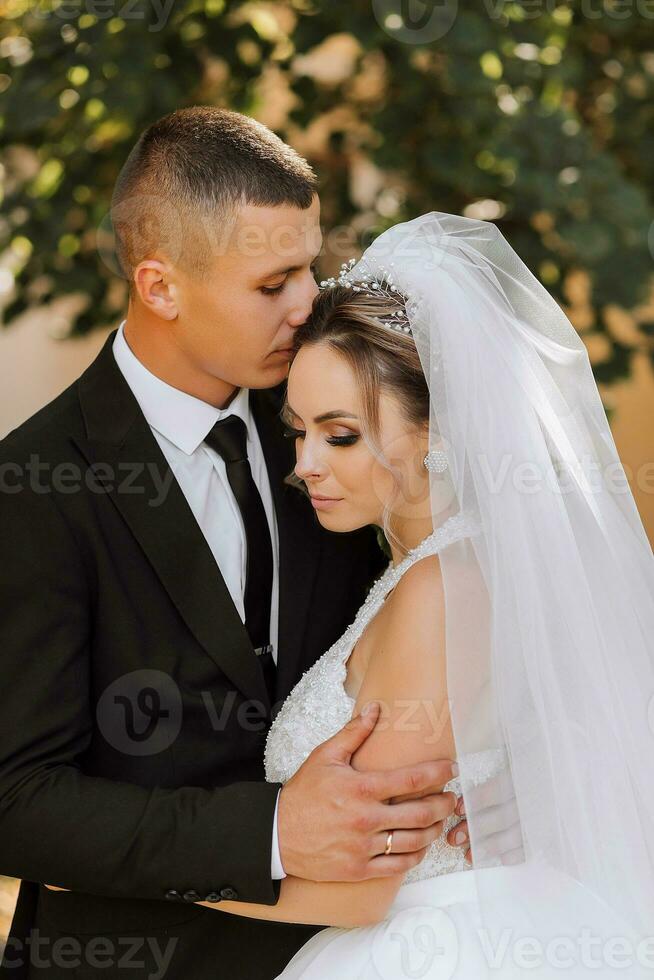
point(407, 669)
point(417, 597)
point(406, 631)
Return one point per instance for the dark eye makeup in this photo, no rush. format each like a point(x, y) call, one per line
point(332, 440)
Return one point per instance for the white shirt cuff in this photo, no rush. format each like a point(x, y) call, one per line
point(277, 868)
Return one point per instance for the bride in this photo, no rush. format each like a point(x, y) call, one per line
point(440, 393)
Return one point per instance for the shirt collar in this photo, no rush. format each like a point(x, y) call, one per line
point(182, 418)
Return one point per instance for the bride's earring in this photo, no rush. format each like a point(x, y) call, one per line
point(435, 461)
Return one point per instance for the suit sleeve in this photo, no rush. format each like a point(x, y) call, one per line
point(58, 825)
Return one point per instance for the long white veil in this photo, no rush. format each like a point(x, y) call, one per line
point(550, 609)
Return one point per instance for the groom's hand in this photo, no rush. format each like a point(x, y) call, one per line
point(333, 820)
point(497, 821)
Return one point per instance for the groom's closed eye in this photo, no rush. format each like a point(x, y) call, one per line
point(276, 290)
point(272, 290)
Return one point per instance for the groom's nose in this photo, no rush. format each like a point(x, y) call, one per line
point(298, 316)
point(302, 307)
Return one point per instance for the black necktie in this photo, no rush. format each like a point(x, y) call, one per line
point(229, 439)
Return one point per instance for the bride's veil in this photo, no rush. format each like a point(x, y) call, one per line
point(549, 600)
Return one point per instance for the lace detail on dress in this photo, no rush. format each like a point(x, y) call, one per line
point(318, 706)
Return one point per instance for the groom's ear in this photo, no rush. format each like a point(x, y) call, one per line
point(155, 287)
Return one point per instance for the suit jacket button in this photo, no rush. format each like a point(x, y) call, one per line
point(191, 896)
point(212, 897)
point(172, 895)
point(229, 893)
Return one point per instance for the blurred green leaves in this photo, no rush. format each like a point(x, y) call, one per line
point(541, 118)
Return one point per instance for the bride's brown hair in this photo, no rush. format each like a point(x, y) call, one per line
point(382, 360)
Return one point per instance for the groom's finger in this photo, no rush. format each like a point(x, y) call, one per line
point(493, 820)
point(419, 780)
point(497, 790)
point(385, 866)
point(405, 841)
point(341, 747)
point(496, 846)
point(416, 814)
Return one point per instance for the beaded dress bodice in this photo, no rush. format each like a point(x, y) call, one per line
point(318, 706)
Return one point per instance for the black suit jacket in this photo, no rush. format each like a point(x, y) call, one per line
point(134, 712)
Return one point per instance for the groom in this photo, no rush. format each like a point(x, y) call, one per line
point(162, 590)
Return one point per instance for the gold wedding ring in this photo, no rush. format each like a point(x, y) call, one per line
point(389, 842)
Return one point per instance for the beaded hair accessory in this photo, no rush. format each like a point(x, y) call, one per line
point(379, 283)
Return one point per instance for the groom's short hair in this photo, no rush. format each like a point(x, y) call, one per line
point(185, 180)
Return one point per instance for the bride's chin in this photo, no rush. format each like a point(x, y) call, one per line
point(340, 524)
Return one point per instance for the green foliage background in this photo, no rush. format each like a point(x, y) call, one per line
point(545, 113)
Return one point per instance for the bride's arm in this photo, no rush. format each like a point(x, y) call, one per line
point(321, 903)
point(407, 675)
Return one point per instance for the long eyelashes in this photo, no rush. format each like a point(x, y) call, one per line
point(342, 440)
point(332, 440)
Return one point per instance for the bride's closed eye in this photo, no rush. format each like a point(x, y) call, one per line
point(290, 433)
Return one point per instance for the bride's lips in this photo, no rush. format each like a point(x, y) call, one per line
point(324, 503)
point(284, 351)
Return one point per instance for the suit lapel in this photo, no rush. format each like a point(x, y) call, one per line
point(120, 443)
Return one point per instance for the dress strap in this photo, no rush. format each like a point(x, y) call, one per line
point(458, 526)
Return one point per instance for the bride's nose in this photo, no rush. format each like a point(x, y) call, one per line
point(308, 465)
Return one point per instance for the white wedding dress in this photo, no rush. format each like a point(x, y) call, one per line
point(431, 929)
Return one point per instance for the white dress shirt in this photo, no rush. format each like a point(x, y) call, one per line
point(180, 423)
